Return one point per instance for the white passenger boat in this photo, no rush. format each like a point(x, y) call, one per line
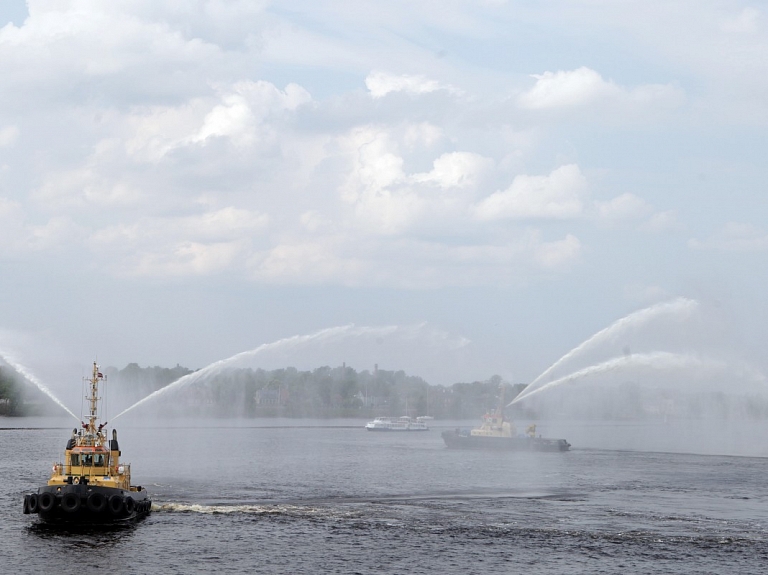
point(396, 424)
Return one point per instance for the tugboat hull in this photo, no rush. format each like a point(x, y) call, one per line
point(457, 440)
point(87, 505)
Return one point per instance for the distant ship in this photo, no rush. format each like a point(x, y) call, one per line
point(92, 485)
point(397, 424)
point(497, 434)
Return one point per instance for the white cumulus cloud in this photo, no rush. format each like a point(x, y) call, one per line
point(584, 87)
point(197, 244)
point(246, 106)
point(456, 169)
point(241, 113)
point(380, 84)
point(560, 195)
point(567, 88)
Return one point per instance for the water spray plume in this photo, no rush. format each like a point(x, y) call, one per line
point(322, 336)
point(680, 306)
point(30, 377)
point(655, 360)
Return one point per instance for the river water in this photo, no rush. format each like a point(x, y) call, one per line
point(267, 496)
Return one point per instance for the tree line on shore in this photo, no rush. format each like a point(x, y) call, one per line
point(342, 391)
point(322, 392)
point(288, 392)
point(11, 393)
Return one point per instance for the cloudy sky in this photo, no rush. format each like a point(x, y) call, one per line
point(184, 181)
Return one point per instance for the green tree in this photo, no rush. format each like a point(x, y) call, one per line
point(10, 393)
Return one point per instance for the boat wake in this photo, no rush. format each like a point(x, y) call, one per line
point(327, 507)
point(288, 510)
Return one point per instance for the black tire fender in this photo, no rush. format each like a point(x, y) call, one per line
point(70, 502)
point(116, 504)
point(33, 502)
point(130, 505)
point(26, 504)
point(96, 502)
point(46, 501)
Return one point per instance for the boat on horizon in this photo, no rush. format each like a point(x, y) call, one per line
point(92, 486)
point(496, 433)
point(404, 423)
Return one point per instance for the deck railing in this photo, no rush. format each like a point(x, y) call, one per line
point(121, 469)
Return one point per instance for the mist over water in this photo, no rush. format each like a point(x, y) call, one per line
point(663, 372)
point(660, 360)
point(6, 357)
point(673, 335)
point(410, 348)
point(678, 310)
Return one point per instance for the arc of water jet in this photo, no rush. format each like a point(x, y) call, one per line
point(325, 334)
point(659, 359)
point(678, 305)
point(29, 376)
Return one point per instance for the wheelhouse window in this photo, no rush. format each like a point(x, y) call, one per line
point(88, 459)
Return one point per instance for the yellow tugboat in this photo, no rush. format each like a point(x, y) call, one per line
point(92, 485)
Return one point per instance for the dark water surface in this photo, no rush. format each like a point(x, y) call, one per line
point(258, 498)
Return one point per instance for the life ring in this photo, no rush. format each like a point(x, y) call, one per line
point(96, 502)
point(116, 504)
point(130, 505)
point(46, 502)
point(75, 480)
point(70, 502)
point(33, 502)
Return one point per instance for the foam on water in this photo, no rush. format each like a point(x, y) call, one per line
point(211, 509)
point(278, 509)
